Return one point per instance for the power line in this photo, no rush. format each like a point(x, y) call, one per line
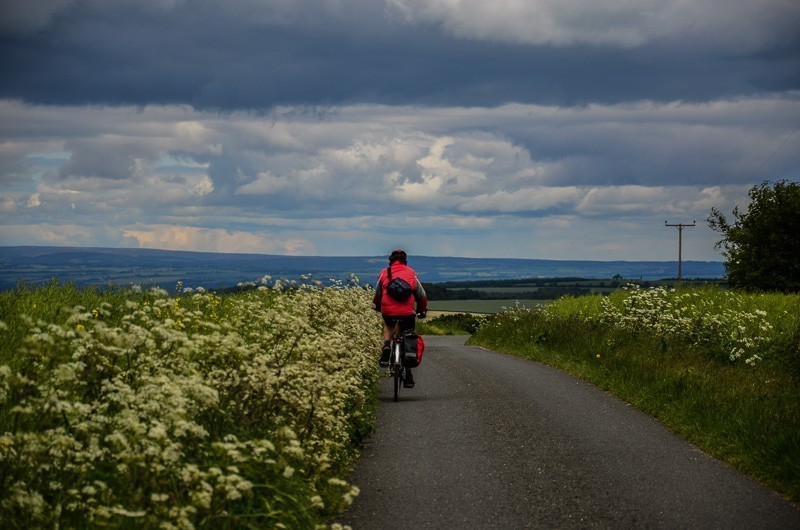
point(764, 163)
point(778, 149)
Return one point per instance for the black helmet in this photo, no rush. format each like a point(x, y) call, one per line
point(398, 255)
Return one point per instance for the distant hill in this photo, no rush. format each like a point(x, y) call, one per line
point(122, 266)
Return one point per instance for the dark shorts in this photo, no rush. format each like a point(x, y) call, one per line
point(406, 322)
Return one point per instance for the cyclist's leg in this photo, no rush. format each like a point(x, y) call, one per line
point(388, 329)
point(389, 324)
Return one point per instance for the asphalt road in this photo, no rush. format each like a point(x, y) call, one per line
point(487, 440)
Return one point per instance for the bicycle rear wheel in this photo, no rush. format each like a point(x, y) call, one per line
point(398, 369)
point(396, 383)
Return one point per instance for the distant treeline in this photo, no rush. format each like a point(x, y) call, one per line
point(540, 288)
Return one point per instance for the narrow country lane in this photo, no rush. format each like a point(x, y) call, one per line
point(487, 440)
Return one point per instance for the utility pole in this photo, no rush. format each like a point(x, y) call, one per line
point(680, 245)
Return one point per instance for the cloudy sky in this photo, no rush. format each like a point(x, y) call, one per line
point(555, 129)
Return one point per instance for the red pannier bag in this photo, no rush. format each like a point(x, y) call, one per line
point(415, 348)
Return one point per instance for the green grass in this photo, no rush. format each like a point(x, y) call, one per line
point(51, 303)
point(452, 324)
point(747, 415)
point(480, 306)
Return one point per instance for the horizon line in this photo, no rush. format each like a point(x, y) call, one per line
point(371, 256)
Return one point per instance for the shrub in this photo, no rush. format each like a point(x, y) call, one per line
point(720, 323)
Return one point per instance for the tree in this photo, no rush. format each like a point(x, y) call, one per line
point(762, 246)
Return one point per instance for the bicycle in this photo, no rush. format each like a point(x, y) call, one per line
point(397, 370)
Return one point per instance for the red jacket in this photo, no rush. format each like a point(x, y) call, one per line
point(389, 306)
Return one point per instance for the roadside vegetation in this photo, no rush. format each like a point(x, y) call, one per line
point(134, 409)
point(720, 368)
point(450, 324)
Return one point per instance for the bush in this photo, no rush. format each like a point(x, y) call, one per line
point(717, 322)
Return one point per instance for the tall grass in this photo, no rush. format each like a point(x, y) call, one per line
point(720, 368)
point(52, 303)
point(140, 410)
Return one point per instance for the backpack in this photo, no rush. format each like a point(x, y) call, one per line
point(414, 349)
point(398, 288)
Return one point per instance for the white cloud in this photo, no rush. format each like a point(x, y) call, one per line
point(213, 240)
point(152, 190)
point(620, 200)
point(419, 193)
point(265, 184)
point(682, 201)
point(7, 205)
point(61, 234)
point(456, 176)
point(738, 24)
point(347, 182)
point(524, 200)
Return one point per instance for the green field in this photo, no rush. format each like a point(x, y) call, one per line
point(535, 289)
point(480, 306)
point(527, 291)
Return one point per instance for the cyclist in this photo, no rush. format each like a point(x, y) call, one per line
point(399, 297)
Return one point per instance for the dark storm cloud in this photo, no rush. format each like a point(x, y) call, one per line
point(245, 54)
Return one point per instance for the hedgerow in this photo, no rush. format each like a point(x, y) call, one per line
point(191, 411)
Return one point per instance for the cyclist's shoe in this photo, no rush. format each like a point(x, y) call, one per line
point(409, 380)
point(385, 356)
